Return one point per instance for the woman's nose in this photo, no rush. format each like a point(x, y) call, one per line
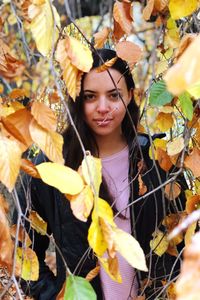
point(103, 105)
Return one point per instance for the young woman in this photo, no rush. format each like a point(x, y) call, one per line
point(106, 117)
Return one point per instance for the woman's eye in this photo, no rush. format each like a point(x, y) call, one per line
point(115, 96)
point(89, 97)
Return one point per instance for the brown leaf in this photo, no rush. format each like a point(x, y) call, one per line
point(4, 204)
point(49, 142)
point(147, 11)
point(37, 222)
point(192, 162)
point(142, 186)
point(122, 15)
point(23, 236)
point(44, 116)
point(172, 190)
point(192, 203)
point(128, 51)
point(10, 159)
point(163, 159)
point(184, 43)
point(118, 32)
point(108, 64)
point(54, 97)
point(101, 36)
point(28, 167)
point(6, 244)
point(93, 273)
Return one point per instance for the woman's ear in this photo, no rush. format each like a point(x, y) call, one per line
point(130, 94)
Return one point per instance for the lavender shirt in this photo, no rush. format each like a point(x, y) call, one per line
point(115, 171)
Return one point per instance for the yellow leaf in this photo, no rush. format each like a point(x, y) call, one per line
point(44, 116)
point(111, 267)
point(194, 90)
point(130, 249)
point(164, 121)
point(182, 8)
point(91, 170)
point(38, 223)
point(61, 177)
point(159, 243)
point(176, 146)
point(27, 265)
point(157, 143)
point(44, 23)
point(96, 238)
point(186, 71)
point(51, 143)
point(10, 160)
point(189, 233)
point(103, 210)
point(108, 64)
point(82, 203)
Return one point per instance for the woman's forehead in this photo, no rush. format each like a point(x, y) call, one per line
point(97, 80)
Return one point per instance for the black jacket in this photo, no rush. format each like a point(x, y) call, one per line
point(70, 234)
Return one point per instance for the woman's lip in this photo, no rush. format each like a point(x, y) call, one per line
point(102, 122)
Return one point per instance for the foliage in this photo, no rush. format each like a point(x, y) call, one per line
point(41, 64)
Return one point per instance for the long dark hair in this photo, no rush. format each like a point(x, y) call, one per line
point(72, 151)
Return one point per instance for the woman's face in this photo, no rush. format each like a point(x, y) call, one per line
point(103, 107)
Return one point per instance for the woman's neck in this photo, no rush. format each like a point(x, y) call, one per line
point(108, 146)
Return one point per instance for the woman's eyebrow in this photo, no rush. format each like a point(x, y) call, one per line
point(89, 91)
point(114, 90)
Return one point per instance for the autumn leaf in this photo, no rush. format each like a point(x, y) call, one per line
point(159, 243)
point(91, 170)
point(108, 64)
point(163, 159)
point(50, 142)
point(17, 124)
point(17, 93)
point(4, 204)
point(27, 265)
point(6, 244)
point(122, 15)
point(192, 203)
point(111, 266)
point(93, 273)
point(28, 167)
point(190, 233)
point(182, 8)
point(79, 288)
point(192, 162)
point(45, 22)
point(96, 238)
point(142, 186)
point(37, 223)
point(82, 204)
point(44, 116)
point(157, 143)
point(61, 177)
point(135, 255)
point(172, 190)
point(129, 52)
point(9, 162)
point(22, 237)
point(176, 146)
point(164, 121)
point(101, 37)
point(148, 9)
point(185, 72)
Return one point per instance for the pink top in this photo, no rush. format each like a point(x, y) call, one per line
point(115, 171)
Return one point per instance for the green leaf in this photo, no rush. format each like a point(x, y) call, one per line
point(186, 105)
point(159, 94)
point(78, 288)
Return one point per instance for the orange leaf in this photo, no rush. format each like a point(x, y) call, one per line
point(101, 36)
point(10, 159)
point(118, 32)
point(61, 294)
point(122, 15)
point(192, 203)
point(6, 244)
point(163, 159)
point(164, 121)
point(128, 51)
point(93, 273)
point(172, 190)
point(17, 93)
point(44, 116)
point(28, 167)
point(49, 142)
point(23, 236)
point(147, 11)
point(142, 186)
point(18, 125)
point(192, 162)
point(106, 65)
point(4, 204)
